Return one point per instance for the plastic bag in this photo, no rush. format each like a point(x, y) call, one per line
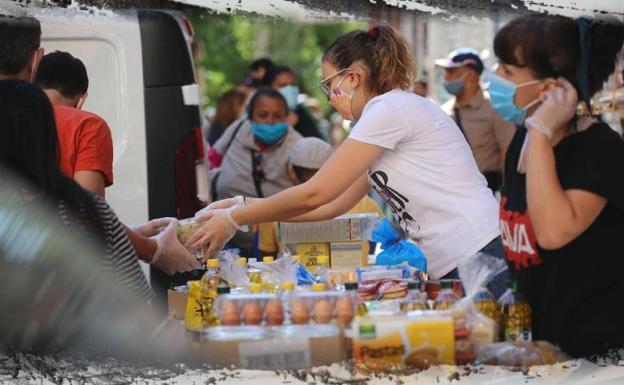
point(520, 354)
point(230, 268)
point(395, 249)
point(472, 328)
point(284, 269)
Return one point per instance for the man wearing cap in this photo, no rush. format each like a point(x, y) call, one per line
point(307, 156)
point(486, 132)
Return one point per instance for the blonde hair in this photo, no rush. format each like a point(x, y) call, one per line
point(382, 50)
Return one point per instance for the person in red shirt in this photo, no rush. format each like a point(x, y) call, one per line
point(85, 142)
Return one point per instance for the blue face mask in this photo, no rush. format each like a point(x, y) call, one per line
point(269, 133)
point(502, 92)
point(454, 87)
point(290, 93)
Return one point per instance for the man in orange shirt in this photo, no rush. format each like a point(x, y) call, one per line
point(85, 142)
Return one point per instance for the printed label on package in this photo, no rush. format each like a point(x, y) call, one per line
point(292, 353)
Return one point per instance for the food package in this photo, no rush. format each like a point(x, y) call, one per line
point(349, 227)
point(386, 282)
point(185, 230)
point(348, 255)
point(520, 354)
point(387, 343)
point(395, 249)
point(250, 309)
point(321, 307)
point(309, 252)
point(472, 328)
point(231, 270)
point(336, 279)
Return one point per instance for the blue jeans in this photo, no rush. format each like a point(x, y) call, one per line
point(499, 283)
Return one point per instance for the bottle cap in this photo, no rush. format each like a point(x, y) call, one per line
point(351, 286)
point(322, 260)
point(223, 290)
point(213, 263)
point(318, 287)
point(252, 261)
point(413, 285)
point(447, 284)
point(268, 259)
point(255, 287)
point(290, 286)
point(242, 261)
point(194, 286)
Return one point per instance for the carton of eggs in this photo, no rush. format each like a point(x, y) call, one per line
point(321, 308)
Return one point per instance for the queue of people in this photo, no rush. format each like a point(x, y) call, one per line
point(559, 173)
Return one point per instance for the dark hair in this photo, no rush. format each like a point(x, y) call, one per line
point(228, 107)
point(274, 72)
point(29, 148)
point(550, 47)
point(264, 62)
point(63, 72)
point(384, 52)
point(303, 173)
point(20, 37)
point(268, 92)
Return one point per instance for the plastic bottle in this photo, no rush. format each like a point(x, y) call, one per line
point(208, 287)
point(516, 315)
point(447, 296)
point(415, 300)
point(286, 292)
point(254, 270)
point(360, 306)
point(321, 268)
point(193, 317)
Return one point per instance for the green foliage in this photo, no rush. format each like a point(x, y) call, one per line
point(232, 42)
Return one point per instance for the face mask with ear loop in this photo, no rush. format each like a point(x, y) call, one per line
point(342, 101)
point(502, 92)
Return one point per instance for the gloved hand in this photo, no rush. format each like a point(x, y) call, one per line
point(557, 108)
point(151, 228)
point(219, 228)
point(171, 257)
point(238, 200)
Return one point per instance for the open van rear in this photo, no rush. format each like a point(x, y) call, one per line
point(142, 82)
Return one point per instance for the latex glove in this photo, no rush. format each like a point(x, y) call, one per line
point(171, 257)
point(153, 227)
point(239, 200)
point(219, 228)
point(557, 108)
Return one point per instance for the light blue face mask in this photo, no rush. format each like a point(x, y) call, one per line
point(455, 87)
point(290, 93)
point(269, 133)
point(502, 92)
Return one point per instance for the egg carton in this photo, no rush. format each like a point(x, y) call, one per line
point(250, 309)
point(321, 307)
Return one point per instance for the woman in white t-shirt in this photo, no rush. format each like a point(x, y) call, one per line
point(402, 145)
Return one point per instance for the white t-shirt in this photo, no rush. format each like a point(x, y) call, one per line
point(428, 176)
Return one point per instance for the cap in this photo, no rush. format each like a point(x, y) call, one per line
point(288, 286)
point(242, 261)
point(351, 286)
point(413, 285)
point(310, 153)
point(255, 287)
point(447, 283)
point(322, 260)
point(318, 287)
point(213, 263)
point(268, 259)
point(223, 290)
point(468, 57)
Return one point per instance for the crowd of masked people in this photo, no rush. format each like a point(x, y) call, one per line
point(559, 172)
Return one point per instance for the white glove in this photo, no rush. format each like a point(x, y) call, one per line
point(558, 108)
point(171, 257)
point(219, 228)
point(153, 227)
point(238, 200)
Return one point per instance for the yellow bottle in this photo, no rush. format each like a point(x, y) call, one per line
point(193, 317)
point(208, 288)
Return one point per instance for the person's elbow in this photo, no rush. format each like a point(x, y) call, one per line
point(553, 238)
point(315, 197)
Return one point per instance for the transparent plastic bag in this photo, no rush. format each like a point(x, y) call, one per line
point(520, 354)
point(284, 269)
point(231, 270)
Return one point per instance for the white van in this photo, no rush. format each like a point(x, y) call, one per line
point(142, 82)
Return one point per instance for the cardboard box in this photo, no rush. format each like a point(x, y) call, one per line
point(309, 253)
point(293, 352)
point(350, 227)
point(177, 303)
point(348, 255)
point(386, 342)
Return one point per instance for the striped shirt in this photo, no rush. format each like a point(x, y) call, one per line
point(121, 261)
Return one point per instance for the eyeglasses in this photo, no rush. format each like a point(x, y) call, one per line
point(324, 84)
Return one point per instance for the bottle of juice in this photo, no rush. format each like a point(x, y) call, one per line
point(447, 296)
point(486, 303)
point(516, 315)
point(360, 306)
point(208, 287)
point(193, 317)
point(415, 300)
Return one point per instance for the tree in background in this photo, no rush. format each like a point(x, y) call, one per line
point(231, 42)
